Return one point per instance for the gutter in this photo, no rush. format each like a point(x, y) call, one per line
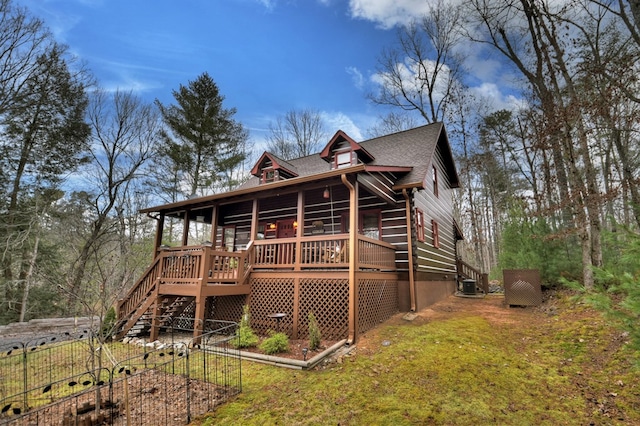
point(353, 202)
point(412, 285)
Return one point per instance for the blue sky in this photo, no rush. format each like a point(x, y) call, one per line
point(267, 56)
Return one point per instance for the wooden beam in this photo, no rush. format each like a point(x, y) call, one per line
point(159, 232)
point(353, 229)
point(185, 229)
point(412, 284)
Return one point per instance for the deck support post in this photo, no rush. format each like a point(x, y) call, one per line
point(155, 319)
point(353, 251)
point(412, 282)
point(198, 320)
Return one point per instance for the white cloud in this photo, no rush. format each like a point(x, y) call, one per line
point(356, 77)
point(388, 13)
point(339, 121)
point(491, 93)
point(269, 4)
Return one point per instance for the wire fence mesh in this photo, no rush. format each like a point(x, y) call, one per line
point(75, 379)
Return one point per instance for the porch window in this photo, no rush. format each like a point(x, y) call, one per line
point(435, 234)
point(420, 225)
point(229, 238)
point(370, 223)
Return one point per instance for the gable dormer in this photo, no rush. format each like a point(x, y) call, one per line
point(342, 151)
point(270, 168)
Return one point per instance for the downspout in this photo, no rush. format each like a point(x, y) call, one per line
point(353, 203)
point(412, 284)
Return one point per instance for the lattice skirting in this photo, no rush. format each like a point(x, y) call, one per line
point(297, 296)
point(377, 302)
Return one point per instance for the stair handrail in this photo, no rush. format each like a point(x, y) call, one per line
point(465, 270)
point(136, 289)
point(247, 261)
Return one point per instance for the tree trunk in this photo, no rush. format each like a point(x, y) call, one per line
point(29, 277)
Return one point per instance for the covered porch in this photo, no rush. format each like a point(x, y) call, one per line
point(230, 246)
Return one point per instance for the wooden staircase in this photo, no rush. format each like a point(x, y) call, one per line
point(468, 272)
point(177, 277)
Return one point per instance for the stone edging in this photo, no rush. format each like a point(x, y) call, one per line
point(286, 362)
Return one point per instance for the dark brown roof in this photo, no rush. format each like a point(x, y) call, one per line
point(408, 154)
point(410, 148)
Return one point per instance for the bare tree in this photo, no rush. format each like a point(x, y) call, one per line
point(23, 38)
point(124, 132)
point(420, 73)
point(392, 123)
point(299, 133)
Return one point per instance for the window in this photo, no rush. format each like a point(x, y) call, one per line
point(435, 234)
point(343, 159)
point(370, 224)
point(420, 224)
point(269, 175)
point(435, 180)
point(229, 238)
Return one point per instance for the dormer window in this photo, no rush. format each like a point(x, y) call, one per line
point(269, 175)
point(342, 151)
point(343, 159)
point(270, 168)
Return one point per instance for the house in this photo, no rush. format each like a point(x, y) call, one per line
point(353, 234)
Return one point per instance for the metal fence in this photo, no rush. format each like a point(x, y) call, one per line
point(75, 380)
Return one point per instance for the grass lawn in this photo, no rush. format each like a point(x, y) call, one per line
point(460, 362)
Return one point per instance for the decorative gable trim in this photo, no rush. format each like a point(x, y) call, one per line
point(342, 141)
point(270, 163)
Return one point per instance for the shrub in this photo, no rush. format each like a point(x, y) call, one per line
point(531, 243)
point(108, 323)
point(247, 338)
point(275, 343)
point(314, 332)
point(617, 289)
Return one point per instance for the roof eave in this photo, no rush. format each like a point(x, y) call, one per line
point(182, 205)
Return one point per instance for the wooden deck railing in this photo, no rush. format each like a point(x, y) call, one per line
point(188, 266)
point(322, 252)
point(375, 254)
point(204, 265)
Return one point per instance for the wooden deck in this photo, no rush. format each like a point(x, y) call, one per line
point(203, 271)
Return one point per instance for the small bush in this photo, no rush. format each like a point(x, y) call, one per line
point(314, 333)
point(108, 324)
point(247, 338)
point(275, 343)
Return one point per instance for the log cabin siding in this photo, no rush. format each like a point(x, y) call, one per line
point(429, 258)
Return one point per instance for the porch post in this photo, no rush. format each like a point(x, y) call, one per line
point(297, 261)
point(353, 252)
point(214, 226)
point(185, 230)
point(412, 283)
point(159, 232)
point(254, 221)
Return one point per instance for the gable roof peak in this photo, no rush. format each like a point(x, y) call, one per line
point(276, 163)
point(340, 136)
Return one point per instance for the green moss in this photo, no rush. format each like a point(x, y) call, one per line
point(457, 371)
